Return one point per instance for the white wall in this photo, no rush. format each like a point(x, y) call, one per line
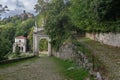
point(112, 39)
point(23, 44)
point(22, 40)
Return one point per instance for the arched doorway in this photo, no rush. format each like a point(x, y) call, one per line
point(38, 35)
point(44, 46)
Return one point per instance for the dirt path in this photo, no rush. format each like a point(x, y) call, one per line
point(43, 68)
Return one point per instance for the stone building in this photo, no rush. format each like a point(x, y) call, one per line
point(26, 15)
point(21, 42)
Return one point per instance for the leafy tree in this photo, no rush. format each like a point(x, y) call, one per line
point(6, 39)
point(4, 47)
point(24, 27)
point(10, 30)
point(57, 22)
point(95, 15)
point(64, 17)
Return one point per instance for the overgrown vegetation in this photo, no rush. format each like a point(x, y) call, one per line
point(62, 20)
point(9, 29)
point(57, 22)
point(96, 15)
point(17, 51)
point(64, 17)
point(43, 45)
point(74, 73)
point(90, 53)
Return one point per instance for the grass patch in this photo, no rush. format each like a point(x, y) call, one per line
point(89, 51)
point(71, 74)
point(18, 62)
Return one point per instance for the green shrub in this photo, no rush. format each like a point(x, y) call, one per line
point(17, 50)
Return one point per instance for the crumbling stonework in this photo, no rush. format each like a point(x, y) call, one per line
point(67, 52)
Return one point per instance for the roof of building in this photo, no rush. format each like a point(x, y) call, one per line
point(20, 37)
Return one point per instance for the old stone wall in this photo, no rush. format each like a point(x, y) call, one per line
point(66, 52)
point(112, 39)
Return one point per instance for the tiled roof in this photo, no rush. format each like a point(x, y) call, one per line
point(20, 37)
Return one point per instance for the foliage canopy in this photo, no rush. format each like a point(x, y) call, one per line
point(63, 17)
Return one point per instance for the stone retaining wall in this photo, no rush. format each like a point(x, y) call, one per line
point(66, 52)
point(15, 60)
point(112, 39)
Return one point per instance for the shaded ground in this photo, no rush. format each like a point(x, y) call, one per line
point(43, 68)
point(109, 55)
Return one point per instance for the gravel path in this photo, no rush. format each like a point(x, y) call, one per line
point(43, 68)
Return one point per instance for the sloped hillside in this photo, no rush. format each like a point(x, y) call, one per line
point(108, 55)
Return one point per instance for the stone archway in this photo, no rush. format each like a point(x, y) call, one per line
point(39, 34)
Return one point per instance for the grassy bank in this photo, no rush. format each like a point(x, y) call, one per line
point(70, 70)
point(104, 57)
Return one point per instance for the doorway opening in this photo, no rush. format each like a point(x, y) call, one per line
point(43, 47)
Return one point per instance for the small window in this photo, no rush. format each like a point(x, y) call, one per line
point(19, 40)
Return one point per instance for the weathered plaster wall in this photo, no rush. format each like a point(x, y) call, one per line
point(112, 39)
point(65, 52)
